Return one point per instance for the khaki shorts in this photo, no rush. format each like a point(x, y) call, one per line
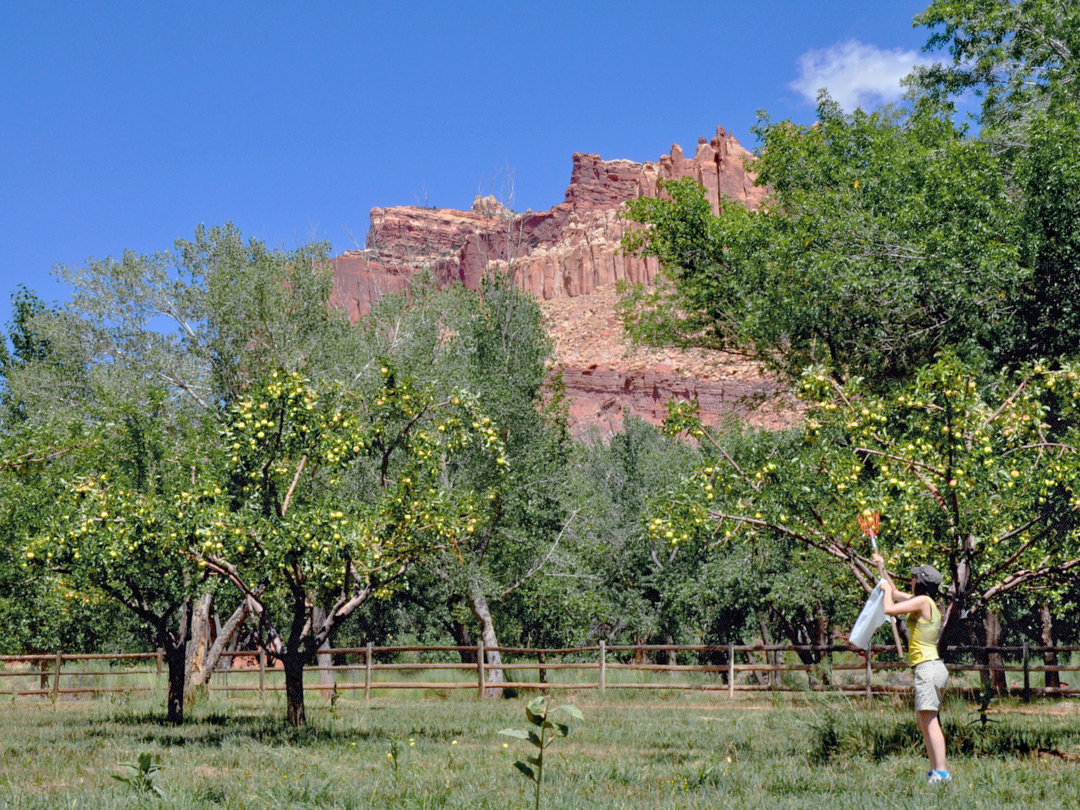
point(930, 678)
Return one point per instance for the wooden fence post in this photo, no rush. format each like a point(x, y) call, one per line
point(731, 670)
point(262, 673)
point(869, 675)
point(603, 666)
point(160, 656)
point(1027, 675)
point(367, 671)
point(480, 667)
point(56, 677)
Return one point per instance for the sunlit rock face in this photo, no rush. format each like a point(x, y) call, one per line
point(571, 251)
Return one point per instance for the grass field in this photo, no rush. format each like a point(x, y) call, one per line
point(656, 750)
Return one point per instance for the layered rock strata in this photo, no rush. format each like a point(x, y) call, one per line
point(571, 249)
point(605, 378)
point(570, 253)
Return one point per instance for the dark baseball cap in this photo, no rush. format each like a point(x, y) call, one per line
point(926, 575)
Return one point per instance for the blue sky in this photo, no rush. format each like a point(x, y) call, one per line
point(123, 125)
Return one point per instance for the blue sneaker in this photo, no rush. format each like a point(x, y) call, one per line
point(938, 777)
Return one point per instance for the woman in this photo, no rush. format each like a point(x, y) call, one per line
point(924, 625)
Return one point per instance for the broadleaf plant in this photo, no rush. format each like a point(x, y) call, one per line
point(544, 733)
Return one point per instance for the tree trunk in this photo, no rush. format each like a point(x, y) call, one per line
point(770, 655)
point(227, 637)
point(323, 659)
point(1053, 678)
point(43, 673)
point(821, 624)
point(195, 675)
point(992, 638)
point(672, 658)
point(176, 661)
point(174, 645)
point(493, 658)
point(294, 689)
point(463, 639)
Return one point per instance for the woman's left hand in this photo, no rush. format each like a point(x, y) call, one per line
point(879, 562)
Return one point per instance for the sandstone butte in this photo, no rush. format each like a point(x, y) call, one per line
point(568, 257)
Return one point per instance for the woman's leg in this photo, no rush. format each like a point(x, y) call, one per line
point(933, 737)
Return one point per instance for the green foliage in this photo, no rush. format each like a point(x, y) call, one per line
point(750, 581)
point(613, 480)
point(111, 523)
point(1048, 174)
point(490, 342)
point(541, 736)
point(142, 776)
point(886, 236)
point(979, 480)
point(236, 309)
point(929, 279)
point(287, 512)
point(233, 447)
point(39, 610)
point(46, 368)
point(1015, 56)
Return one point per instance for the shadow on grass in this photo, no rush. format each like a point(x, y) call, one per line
point(842, 735)
point(215, 729)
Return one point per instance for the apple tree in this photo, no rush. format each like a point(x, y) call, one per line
point(117, 525)
point(328, 496)
point(979, 479)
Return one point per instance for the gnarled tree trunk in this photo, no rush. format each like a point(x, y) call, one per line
point(492, 657)
point(324, 660)
point(195, 675)
point(994, 660)
point(1053, 678)
point(203, 656)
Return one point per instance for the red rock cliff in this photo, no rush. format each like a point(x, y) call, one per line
point(571, 249)
point(568, 257)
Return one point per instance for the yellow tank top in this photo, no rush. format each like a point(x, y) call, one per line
point(923, 636)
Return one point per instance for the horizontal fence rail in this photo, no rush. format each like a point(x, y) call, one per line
point(733, 668)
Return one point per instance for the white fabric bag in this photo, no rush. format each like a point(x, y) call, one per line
point(870, 619)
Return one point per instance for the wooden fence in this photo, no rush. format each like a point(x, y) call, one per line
point(741, 668)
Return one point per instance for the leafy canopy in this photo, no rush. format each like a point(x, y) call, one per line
point(886, 237)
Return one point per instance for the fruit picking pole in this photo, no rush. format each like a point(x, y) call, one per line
point(869, 522)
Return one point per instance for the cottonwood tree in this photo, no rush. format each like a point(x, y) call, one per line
point(886, 236)
point(502, 577)
point(1016, 57)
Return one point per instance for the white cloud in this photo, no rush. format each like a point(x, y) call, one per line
point(856, 74)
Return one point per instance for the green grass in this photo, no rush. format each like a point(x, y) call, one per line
point(642, 750)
